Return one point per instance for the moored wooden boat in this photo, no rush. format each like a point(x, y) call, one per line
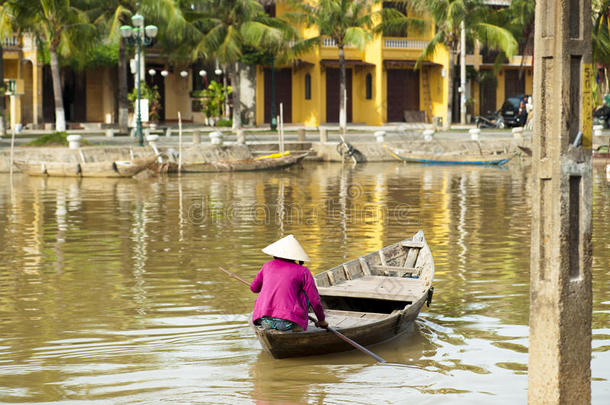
point(368, 299)
point(601, 156)
point(118, 168)
point(245, 165)
point(450, 158)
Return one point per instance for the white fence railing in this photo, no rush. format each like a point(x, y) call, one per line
point(405, 43)
point(329, 42)
point(11, 41)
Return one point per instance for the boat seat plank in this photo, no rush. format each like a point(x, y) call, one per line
point(377, 287)
point(355, 314)
point(365, 267)
point(412, 244)
point(411, 257)
point(401, 271)
point(349, 319)
point(382, 258)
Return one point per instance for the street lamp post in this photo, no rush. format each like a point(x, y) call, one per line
point(139, 36)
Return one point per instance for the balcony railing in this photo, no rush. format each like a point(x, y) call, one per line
point(388, 43)
point(329, 42)
point(11, 41)
point(405, 43)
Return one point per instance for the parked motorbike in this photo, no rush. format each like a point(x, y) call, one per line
point(493, 120)
point(601, 116)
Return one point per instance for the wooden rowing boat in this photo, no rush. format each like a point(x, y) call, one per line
point(448, 158)
point(369, 299)
point(117, 168)
point(253, 164)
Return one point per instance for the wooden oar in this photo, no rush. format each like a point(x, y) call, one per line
point(328, 328)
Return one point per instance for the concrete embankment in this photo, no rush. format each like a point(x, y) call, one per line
point(190, 153)
point(322, 151)
point(377, 152)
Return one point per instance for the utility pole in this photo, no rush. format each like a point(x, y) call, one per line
point(561, 254)
point(462, 73)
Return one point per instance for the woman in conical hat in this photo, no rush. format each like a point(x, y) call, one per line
point(286, 289)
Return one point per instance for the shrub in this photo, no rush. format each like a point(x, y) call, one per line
point(53, 139)
point(224, 123)
point(154, 100)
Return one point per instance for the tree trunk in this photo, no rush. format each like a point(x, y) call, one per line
point(227, 110)
point(60, 116)
point(2, 91)
point(451, 68)
point(342, 94)
point(123, 103)
point(236, 81)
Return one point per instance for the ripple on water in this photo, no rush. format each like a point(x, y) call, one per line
point(110, 292)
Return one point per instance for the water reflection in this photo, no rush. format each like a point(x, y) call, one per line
point(109, 288)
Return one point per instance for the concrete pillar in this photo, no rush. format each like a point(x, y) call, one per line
point(561, 253)
point(428, 134)
point(196, 137)
point(240, 136)
point(74, 141)
point(323, 135)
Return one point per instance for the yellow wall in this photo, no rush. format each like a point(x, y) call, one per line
point(371, 112)
point(177, 97)
point(101, 104)
point(21, 65)
point(500, 89)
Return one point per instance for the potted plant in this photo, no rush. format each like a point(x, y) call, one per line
point(154, 101)
point(212, 101)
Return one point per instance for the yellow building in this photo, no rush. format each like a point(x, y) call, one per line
point(493, 85)
point(381, 83)
point(491, 90)
point(23, 80)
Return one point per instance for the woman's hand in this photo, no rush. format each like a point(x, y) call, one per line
point(322, 324)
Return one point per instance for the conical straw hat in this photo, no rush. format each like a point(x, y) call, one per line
point(287, 248)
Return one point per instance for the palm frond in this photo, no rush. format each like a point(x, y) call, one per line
point(357, 36)
point(497, 38)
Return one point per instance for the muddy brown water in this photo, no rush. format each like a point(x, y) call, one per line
point(110, 293)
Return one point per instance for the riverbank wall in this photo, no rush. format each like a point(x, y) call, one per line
point(190, 153)
point(379, 151)
point(319, 151)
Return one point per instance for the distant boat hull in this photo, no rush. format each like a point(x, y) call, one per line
point(601, 157)
point(119, 168)
point(369, 299)
point(245, 165)
point(448, 159)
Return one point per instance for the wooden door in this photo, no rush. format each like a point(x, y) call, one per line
point(283, 93)
point(332, 94)
point(487, 97)
point(402, 93)
point(513, 84)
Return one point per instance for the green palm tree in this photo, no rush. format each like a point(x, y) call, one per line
point(448, 16)
point(223, 29)
point(519, 19)
point(601, 37)
point(110, 15)
point(64, 28)
point(346, 23)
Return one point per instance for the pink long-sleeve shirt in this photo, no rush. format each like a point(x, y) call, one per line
point(282, 285)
